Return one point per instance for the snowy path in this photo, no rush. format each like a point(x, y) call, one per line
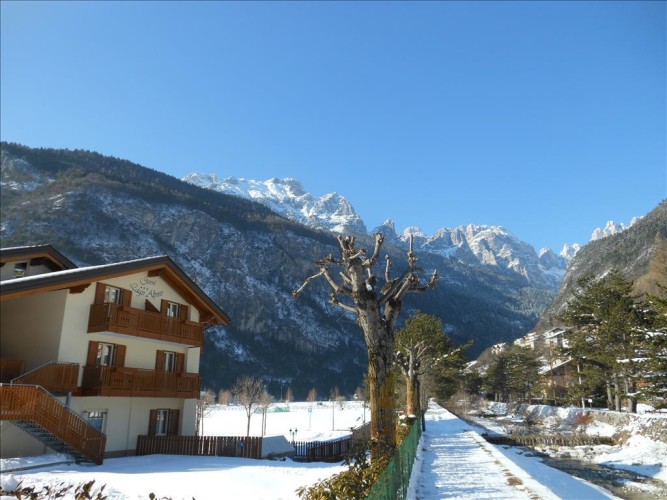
point(454, 461)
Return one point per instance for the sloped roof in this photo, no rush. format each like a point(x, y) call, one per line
point(80, 277)
point(36, 252)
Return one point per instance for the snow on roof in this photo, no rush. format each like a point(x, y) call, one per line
point(78, 270)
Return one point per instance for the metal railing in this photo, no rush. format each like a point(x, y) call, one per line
point(394, 481)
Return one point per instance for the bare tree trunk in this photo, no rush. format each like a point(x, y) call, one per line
point(380, 343)
point(412, 395)
point(383, 405)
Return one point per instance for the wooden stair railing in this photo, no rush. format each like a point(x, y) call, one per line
point(54, 377)
point(28, 403)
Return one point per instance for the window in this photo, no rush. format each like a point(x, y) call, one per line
point(112, 295)
point(106, 354)
point(97, 418)
point(173, 309)
point(20, 269)
point(162, 423)
point(169, 361)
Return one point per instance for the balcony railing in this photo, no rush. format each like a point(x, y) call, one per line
point(54, 377)
point(117, 381)
point(33, 404)
point(130, 321)
point(10, 369)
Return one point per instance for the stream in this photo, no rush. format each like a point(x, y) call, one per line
point(622, 483)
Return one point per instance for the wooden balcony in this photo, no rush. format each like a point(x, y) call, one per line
point(10, 369)
point(54, 377)
point(130, 321)
point(25, 403)
point(135, 382)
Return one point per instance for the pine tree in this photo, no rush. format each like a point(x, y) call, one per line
point(654, 328)
point(606, 341)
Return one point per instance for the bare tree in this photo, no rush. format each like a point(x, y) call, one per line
point(265, 401)
point(225, 396)
point(248, 392)
point(289, 396)
point(312, 395)
point(203, 408)
point(376, 310)
point(359, 394)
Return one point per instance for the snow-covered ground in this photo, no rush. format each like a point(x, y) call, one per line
point(453, 461)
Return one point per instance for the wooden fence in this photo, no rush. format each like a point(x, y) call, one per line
point(533, 440)
point(322, 451)
point(212, 446)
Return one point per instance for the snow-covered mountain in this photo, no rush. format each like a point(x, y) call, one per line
point(471, 244)
point(287, 197)
point(612, 228)
point(569, 251)
point(486, 246)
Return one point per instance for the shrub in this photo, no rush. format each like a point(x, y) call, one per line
point(84, 491)
point(362, 473)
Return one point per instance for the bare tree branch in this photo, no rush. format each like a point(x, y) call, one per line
point(346, 280)
point(432, 282)
point(335, 286)
point(296, 293)
point(342, 305)
point(387, 269)
point(379, 239)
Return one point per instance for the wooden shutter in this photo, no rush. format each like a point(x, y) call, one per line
point(164, 304)
point(183, 312)
point(159, 360)
point(120, 355)
point(152, 423)
point(150, 307)
point(173, 422)
point(180, 362)
point(99, 293)
point(93, 346)
point(126, 297)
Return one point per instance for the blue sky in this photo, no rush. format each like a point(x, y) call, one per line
point(548, 118)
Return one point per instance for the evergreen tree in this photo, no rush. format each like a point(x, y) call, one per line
point(606, 340)
point(513, 375)
point(422, 350)
point(654, 327)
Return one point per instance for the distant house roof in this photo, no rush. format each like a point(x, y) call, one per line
point(81, 277)
point(47, 253)
point(546, 368)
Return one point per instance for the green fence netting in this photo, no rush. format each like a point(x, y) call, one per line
point(393, 483)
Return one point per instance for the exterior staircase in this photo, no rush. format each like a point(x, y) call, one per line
point(40, 414)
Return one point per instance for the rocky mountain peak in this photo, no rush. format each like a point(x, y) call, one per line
point(330, 212)
point(612, 228)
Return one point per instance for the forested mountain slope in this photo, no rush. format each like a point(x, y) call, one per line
point(98, 209)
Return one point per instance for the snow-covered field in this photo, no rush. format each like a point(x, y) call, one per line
point(453, 462)
point(209, 477)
